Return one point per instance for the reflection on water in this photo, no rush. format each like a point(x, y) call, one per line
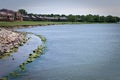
point(77, 52)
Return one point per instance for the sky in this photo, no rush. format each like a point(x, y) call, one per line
point(75, 7)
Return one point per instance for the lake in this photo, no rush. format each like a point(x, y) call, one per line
point(76, 52)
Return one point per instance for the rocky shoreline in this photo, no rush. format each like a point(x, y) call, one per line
point(9, 40)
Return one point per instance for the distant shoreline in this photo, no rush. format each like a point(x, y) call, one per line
point(28, 24)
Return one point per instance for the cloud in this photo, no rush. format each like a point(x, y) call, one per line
point(103, 7)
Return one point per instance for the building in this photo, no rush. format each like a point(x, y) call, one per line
point(43, 18)
point(9, 15)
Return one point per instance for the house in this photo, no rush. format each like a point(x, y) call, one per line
point(63, 19)
point(9, 15)
point(54, 18)
point(26, 18)
point(51, 18)
point(32, 17)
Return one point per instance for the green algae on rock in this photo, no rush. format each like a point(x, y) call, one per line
point(36, 53)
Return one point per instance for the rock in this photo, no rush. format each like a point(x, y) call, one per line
point(9, 39)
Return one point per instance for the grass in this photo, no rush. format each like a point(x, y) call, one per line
point(31, 23)
point(22, 23)
point(13, 24)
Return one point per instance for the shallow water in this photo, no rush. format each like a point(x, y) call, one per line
point(77, 52)
point(11, 63)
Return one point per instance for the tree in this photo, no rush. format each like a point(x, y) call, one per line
point(72, 18)
point(90, 18)
point(110, 19)
point(83, 18)
point(96, 18)
point(22, 11)
point(63, 15)
point(52, 15)
point(102, 19)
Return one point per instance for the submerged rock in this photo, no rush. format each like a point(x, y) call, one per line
point(9, 40)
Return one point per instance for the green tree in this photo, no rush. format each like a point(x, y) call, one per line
point(72, 18)
point(22, 11)
point(110, 19)
point(83, 18)
point(90, 18)
point(63, 15)
point(117, 19)
point(102, 19)
point(96, 18)
point(52, 15)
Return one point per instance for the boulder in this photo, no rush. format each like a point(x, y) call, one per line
point(9, 39)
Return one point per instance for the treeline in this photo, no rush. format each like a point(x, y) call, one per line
point(76, 18)
point(93, 18)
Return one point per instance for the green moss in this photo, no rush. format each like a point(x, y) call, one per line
point(35, 54)
point(14, 74)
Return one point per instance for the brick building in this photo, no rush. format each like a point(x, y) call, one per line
point(9, 15)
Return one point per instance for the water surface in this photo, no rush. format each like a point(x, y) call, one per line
point(12, 62)
point(77, 52)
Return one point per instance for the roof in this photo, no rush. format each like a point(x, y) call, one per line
point(6, 10)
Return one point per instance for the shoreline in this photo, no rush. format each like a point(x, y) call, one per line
point(33, 55)
point(29, 24)
point(11, 28)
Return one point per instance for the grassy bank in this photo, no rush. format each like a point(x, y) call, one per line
point(32, 23)
point(18, 24)
point(29, 23)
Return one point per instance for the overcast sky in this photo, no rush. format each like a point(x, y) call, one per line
point(101, 7)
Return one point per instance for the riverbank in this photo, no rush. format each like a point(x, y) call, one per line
point(28, 23)
point(18, 24)
point(10, 40)
point(28, 53)
point(76, 52)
